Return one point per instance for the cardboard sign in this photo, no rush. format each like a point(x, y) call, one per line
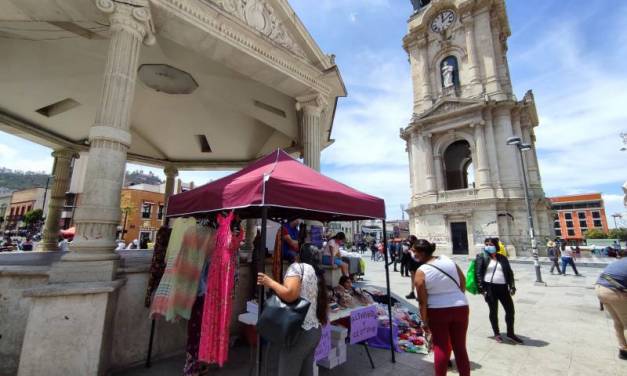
point(363, 324)
point(324, 346)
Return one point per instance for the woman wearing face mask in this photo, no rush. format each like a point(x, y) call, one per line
point(495, 280)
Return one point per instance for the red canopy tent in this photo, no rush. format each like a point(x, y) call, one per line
point(279, 186)
point(285, 187)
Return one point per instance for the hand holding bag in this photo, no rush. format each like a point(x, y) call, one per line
point(280, 323)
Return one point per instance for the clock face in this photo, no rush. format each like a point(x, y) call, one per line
point(443, 21)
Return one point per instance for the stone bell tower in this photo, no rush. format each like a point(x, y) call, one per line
point(466, 182)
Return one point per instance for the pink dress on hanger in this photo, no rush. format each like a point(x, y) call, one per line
point(216, 319)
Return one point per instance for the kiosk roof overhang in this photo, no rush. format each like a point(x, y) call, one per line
point(248, 80)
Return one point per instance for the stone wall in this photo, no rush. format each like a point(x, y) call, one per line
point(131, 326)
point(14, 311)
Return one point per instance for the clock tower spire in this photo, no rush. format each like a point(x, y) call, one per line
point(466, 182)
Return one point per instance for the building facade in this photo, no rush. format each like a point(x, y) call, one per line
point(24, 201)
point(466, 182)
point(576, 214)
point(142, 213)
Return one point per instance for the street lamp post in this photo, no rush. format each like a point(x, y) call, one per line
point(616, 215)
point(516, 141)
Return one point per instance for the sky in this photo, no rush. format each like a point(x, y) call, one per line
point(570, 53)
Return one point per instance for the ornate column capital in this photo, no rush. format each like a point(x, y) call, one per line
point(65, 154)
point(313, 104)
point(132, 16)
point(171, 172)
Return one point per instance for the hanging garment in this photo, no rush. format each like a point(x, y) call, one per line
point(178, 289)
point(192, 365)
point(277, 256)
point(157, 266)
point(216, 320)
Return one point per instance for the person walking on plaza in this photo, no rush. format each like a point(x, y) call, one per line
point(440, 285)
point(303, 279)
point(412, 264)
point(567, 259)
point(495, 281)
point(405, 258)
point(611, 289)
point(553, 252)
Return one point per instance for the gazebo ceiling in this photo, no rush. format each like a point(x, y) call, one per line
point(199, 102)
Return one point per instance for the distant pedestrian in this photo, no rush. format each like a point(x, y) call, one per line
point(440, 286)
point(567, 259)
point(495, 280)
point(553, 252)
point(27, 245)
point(405, 259)
point(374, 250)
point(413, 264)
point(396, 254)
point(611, 288)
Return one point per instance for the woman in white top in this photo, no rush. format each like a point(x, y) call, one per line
point(495, 280)
point(302, 279)
point(440, 285)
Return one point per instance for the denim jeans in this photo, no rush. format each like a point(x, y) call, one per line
point(568, 261)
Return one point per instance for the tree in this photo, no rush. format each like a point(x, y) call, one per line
point(618, 233)
point(33, 217)
point(595, 234)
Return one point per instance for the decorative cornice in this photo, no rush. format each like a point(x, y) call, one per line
point(203, 19)
point(129, 17)
point(259, 15)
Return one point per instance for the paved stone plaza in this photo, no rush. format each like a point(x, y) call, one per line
point(564, 331)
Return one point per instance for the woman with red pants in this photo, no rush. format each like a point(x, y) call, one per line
point(440, 285)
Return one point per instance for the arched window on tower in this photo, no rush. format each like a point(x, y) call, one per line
point(458, 166)
point(449, 73)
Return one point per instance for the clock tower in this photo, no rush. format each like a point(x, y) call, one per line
point(466, 182)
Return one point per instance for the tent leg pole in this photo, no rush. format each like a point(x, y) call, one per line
point(387, 282)
point(150, 341)
point(261, 260)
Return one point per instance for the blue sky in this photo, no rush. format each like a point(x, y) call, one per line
point(571, 53)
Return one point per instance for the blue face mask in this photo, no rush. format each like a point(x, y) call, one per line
point(490, 249)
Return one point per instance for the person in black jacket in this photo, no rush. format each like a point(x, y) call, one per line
point(495, 280)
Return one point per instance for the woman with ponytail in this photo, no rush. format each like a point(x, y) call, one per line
point(303, 279)
point(440, 286)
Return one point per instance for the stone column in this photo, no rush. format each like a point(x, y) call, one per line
point(439, 174)
point(428, 161)
point(61, 175)
point(170, 178)
point(508, 158)
point(70, 324)
point(471, 50)
point(531, 158)
point(483, 169)
point(427, 93)
point(311, 110)
point(490, 139)
point(417, 164)
point(99, 213)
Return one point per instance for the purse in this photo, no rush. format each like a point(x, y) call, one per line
point(280, 323)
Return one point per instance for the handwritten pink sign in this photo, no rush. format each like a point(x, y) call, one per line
point(363, 324)
point(324, 346)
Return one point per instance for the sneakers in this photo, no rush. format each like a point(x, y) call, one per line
point(498, 338)
point(515, 338)
point(410, 296)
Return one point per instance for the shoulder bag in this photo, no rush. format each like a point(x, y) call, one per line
point(280, 322)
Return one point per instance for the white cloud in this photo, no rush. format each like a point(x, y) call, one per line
point(580, 99)
point(20, 160)
point(353, 17)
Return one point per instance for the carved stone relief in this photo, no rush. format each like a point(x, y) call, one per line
point(259, 15)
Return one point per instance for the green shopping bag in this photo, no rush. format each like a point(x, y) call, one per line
point(471, 281)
